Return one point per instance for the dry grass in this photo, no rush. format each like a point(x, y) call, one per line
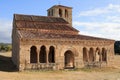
point(79, 74)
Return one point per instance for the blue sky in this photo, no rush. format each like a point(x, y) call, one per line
point(91, 17)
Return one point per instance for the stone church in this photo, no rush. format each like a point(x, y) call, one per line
point(51, 42)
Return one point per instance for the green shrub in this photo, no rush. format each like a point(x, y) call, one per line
point(5, 47)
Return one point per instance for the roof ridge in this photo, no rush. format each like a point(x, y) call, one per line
point(37, 15)
point(39, 18)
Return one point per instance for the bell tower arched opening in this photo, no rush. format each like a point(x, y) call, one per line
point(60, 13)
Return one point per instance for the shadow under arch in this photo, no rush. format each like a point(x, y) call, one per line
point(104, 54)
point(42, 54)
point(51, 55)
point(33, 54)
point(91, 54)
point(85, 54)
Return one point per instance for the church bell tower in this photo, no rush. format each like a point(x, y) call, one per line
point(61, 11)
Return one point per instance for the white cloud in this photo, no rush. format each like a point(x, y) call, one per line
point(106, 30)
point(93, 12)
point(5, 31)
point(111, 8)
point(113, 18)
point(106, 22)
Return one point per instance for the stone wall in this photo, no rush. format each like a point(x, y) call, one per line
point(15, 47)
point(60, 49)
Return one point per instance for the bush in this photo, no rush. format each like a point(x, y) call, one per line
point(4, 47)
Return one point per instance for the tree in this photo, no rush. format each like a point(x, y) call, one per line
point(2, 47)
point(5, 47)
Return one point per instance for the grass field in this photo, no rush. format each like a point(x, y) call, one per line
point(8, 72)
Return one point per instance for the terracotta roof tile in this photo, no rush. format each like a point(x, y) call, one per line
point(44, 26)
point(47, 19)
point(47, 23)
point(42, 22)
point(33, 35)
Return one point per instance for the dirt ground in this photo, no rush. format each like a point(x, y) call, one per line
point(7, 72)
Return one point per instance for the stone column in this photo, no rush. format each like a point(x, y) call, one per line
point(38, 52)
point(100, 54)
point(97, 56)
point(87, 55)
point(94, 55)
point(63, 13)
point(47, 54)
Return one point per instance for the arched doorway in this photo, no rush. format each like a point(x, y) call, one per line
point(33, 54)
point(85, 58)
point(51, 56)
point(69, 59)
point(42, 55)
point(104, 54)
point(91, 55)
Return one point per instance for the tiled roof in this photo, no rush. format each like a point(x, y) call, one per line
point(42, 22)
point(38, 35)
point(44, 26)
point(47, 19)
point(48, 24)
